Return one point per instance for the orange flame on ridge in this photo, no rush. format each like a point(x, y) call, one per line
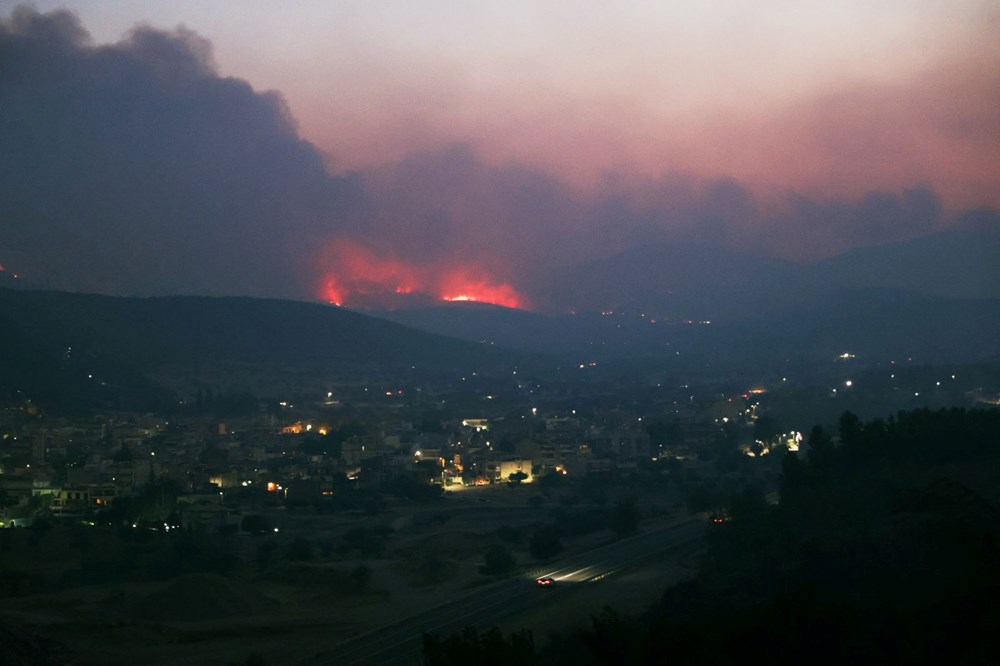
point(354, 275)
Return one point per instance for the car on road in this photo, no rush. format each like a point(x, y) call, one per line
point(546, 581)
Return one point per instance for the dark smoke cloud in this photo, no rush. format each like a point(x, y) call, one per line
point(135, 168)
point(449, 201)
point(449, 204)
point(826, 227)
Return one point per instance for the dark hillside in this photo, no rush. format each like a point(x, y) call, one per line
point(51, 342)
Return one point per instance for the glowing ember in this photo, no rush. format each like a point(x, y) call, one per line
point(354, 275)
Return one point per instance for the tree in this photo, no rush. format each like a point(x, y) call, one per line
point(545, 543)
point(610, 640)
point(123, 454)
point(498, 560)
point(415, 489)
point(849, 429)
point(766, 428)
point(821, 450)
point(748, 503)
point(702, 496)
point(256, 524)
point(792, 479)
point(471, 647)
point(594, 489)
point(551, 481)
point(725, 440)
point(665, 434)
point(625, 520)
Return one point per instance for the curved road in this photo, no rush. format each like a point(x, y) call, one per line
point(402, 642)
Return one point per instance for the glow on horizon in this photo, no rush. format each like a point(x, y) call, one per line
point(353, 275)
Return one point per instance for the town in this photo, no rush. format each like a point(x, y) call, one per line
point(226, 455)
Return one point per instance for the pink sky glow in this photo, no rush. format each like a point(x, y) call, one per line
point(832, 98)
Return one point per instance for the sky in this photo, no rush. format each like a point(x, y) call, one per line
point(389, 153)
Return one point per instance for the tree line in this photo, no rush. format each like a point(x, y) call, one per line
point(882, 549)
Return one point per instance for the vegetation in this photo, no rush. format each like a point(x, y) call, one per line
point(625, 520)
point(498, 560)
point(878, 552)
point(545, 543)
point(488, 648)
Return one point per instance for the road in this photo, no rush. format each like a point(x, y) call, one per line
point(401, 642)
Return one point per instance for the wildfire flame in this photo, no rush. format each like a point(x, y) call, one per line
point(354, 275)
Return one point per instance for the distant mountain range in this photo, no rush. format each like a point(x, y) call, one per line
point(872, 323)
point(679, 281)
point(937, 297)
point(963, 262)
point(699, 281)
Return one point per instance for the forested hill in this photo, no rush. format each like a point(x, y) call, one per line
point(49, 340)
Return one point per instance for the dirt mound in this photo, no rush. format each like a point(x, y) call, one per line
point(199, 597)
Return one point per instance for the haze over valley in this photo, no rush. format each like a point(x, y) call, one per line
point(509, 333)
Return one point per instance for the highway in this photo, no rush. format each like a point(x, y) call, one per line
point(401, 642)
